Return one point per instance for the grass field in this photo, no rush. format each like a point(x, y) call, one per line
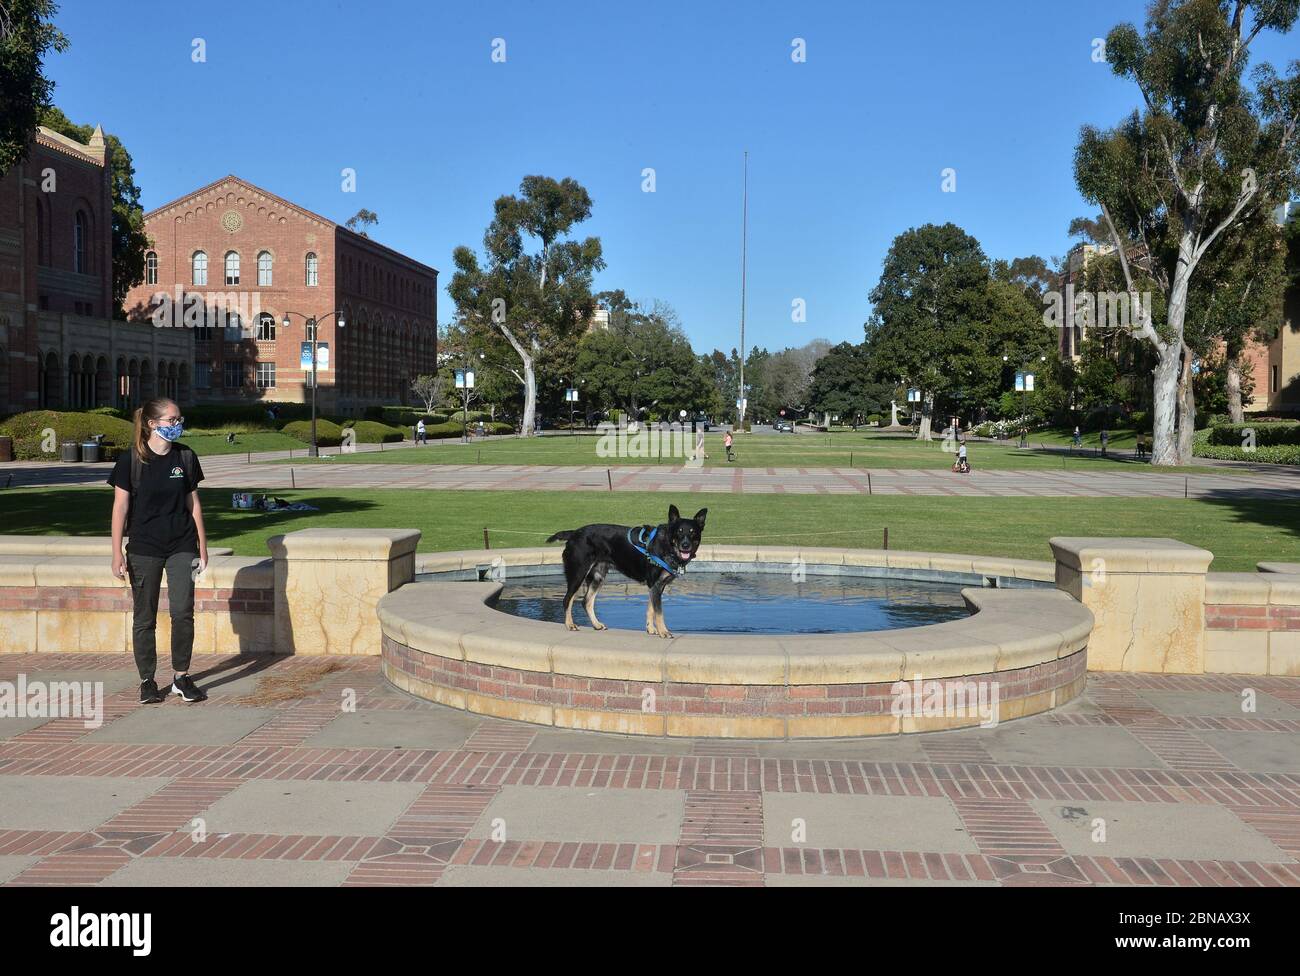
point(861, 450)
point(1239, 531)
point(270, 440)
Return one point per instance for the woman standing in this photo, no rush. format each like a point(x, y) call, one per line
point(156, 502)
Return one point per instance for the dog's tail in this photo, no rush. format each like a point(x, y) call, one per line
point(564, 536)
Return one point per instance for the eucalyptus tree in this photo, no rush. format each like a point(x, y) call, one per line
point(538, 300)
point(1203, 152)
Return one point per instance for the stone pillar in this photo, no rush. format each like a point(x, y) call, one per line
point(328, 582)
point(1148, 598)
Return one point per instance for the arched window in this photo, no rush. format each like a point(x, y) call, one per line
point(79, 244)
point(151, 268)
point(266, 327)
point(264, 268)
point(313, 269)
point(232, 267)
point(200, 263)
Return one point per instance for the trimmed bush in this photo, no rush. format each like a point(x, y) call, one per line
point(27, 431)
point(373, 432)
point(328, 433)
point(126, 415)
point(474, 416)
point(1266, 434)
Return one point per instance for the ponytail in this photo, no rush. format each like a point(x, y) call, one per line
point(152, 410)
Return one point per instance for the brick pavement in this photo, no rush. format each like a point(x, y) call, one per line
point(1146, 780)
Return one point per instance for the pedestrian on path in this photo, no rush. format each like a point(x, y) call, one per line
point(156, 503)
point(727, 442)
point(1105, 440)
point(699, 443)
point(421, 437)
point(1078, 438)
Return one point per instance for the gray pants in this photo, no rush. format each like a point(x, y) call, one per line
point(146, 573)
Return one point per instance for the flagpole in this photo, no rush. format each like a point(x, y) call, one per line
point(744, 249)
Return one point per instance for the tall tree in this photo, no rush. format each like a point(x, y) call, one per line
point(27, 34)
point(1237, 299)
point(1203, 152)
point(535, 301)
point(360, 220)
point(130, 242)
point(929, 311)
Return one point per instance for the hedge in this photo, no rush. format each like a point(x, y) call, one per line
point(328, 433)
point(439, 431)
point(26, 430)
point(1266, 434)
point(373, 432)
point(1277, 454)
point(474, 416)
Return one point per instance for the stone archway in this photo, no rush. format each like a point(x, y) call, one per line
point(103, 383)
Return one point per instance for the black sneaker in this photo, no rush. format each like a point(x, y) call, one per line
point(149, 693)
point(187, 689)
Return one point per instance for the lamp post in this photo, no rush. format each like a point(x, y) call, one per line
point(313, 327)
point(465, 383)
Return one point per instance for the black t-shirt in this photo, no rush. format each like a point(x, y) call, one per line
point(160, 523)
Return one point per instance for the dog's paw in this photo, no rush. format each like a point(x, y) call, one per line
point(598, 626)
point(571, 626)
point(667, 634)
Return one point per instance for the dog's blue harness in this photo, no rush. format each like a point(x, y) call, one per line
point(642, 543)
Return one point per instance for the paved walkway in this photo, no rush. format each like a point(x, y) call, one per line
point(1145, 780)
point(236, 471)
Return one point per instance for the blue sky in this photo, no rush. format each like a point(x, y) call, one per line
point(846, 149)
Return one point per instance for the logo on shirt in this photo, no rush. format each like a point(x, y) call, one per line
point(178, 472)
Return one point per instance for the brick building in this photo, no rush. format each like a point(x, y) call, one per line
point(252, 257)
point(60, 347)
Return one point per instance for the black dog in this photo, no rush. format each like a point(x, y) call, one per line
point(651, 554)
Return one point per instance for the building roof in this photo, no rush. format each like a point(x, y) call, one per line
point(355, 238)
point(93, 152)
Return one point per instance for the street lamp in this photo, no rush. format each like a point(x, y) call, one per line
point(312, 324)
point(465, 382)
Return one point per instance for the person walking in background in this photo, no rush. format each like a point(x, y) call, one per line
point(727, 442)
point(1105, 440)
point(699, 443)
point(156, 503)
point(1078, 438)
point(421, 437)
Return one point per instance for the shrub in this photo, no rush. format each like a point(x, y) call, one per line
point(876, 419)
point(126, 415)
point(328, 433)
point(474, 416)
point(1266, 434)
point(27, 429)
point(373, 432)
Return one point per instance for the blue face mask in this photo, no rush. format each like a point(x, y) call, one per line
point(170, 433)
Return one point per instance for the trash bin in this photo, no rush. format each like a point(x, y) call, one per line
point(70, 450)
point(6, 448)
point(90, 451)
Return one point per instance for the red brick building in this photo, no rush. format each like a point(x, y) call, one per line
point(60, 347)
point(254, 257)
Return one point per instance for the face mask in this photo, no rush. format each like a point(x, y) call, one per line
point(170, 433)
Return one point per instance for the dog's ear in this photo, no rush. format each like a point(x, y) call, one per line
point(700, 516)
point(673, 514)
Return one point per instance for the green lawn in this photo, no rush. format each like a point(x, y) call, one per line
point(1239, 531)
point(270, 440)
point(861, 450)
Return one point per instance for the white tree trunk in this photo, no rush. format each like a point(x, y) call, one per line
point(1164, 446)
point(1186, 409)
point(1236, 411)
point(927, 409)
point(530, 381)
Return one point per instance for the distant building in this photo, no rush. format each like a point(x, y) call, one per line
point(60, 347)
point(1076, 265)
point(250, 257)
